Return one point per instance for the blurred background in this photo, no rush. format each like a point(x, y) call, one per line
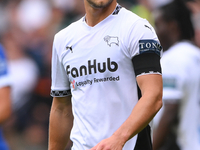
point(27, 28)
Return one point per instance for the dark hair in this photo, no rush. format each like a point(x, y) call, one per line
point(178, 11)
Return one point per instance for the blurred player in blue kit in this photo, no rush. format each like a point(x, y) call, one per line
point(5, 100)
point(106, 81)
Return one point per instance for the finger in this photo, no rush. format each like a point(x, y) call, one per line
point(94, 148)
point(100, 147)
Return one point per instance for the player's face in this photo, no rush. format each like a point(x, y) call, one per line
point(100, 3)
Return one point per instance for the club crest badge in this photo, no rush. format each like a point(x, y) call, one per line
point(111, 40)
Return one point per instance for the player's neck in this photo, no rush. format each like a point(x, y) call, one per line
point(96, 15)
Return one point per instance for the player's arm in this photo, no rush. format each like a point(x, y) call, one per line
point(144, 111)
point(168, 118)
point(149, 79)
point(146, 108)
point(5, 103)
point(60, 124)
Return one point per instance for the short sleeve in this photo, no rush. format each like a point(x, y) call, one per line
point(4, 76)
point(60, 86)
point(173, 81)
point(176, 74)
point(144, 48)
point(142, 39)
point(172, 88)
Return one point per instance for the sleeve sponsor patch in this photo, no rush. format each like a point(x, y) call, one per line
point(150, 46)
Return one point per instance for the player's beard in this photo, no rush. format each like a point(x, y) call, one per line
point(99, 3)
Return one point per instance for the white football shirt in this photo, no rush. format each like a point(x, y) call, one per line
point(94, 64)
point(181, 84)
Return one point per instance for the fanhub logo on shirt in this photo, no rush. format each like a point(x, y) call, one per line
point(92, 67)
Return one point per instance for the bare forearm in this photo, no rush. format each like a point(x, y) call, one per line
point(146, 108)
point(5, 104)
point(61, 122)
point(142, 114)
point(167, 120)
point(160, 135)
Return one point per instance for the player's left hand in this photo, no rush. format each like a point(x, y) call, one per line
point(111, 143)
